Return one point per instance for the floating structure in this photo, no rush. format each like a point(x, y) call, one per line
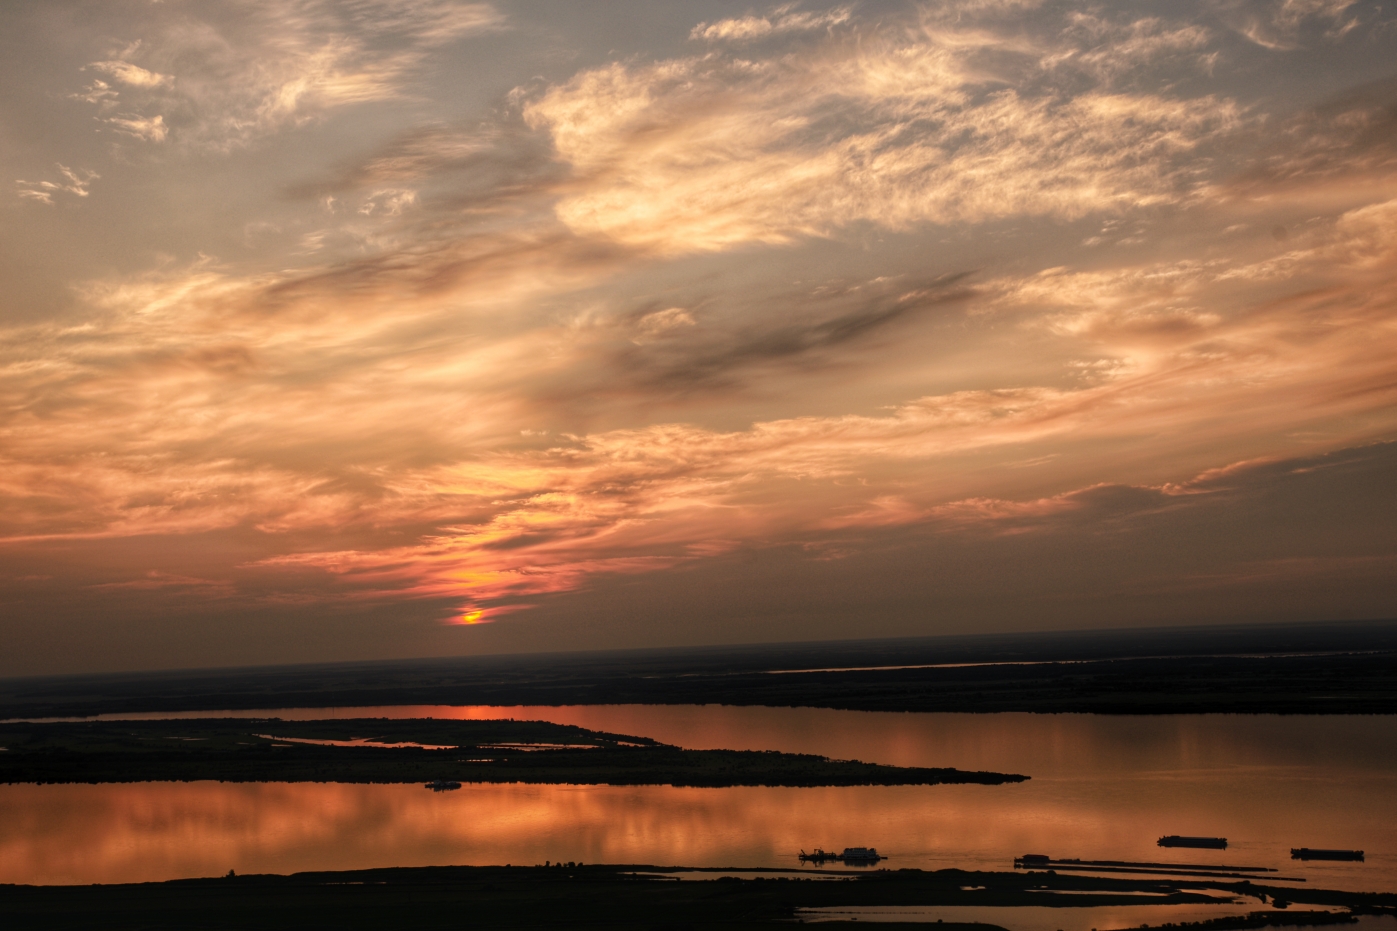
point(1031, 861)
point(849, 855)
point(1315, 853)
point(443, 785)
point(1211, 843)
point(1038, 861)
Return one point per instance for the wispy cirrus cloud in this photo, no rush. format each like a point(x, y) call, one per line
point(74, 182)
point(783, 19)
point(124, 72)
point(222, 79)
point(1347, 142)
point(898, 126)
point(1278, 25)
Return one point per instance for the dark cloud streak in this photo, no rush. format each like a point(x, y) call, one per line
point(716, 355)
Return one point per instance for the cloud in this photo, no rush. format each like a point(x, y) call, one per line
point(984, 270)
point(426, 22)
point(672, 348)
point(784, 19)
point(150, 129)
point(155, 579)
point(98, 92)
point(388, 202)
point(1111, 50)
point(1346, 142)
point(222, 82)
point(72, 182)
point(132, 75)
point(898, 128)
point(661, 324)
point(1280, 26)
point(222, 402)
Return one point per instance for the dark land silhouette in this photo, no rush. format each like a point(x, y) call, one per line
point(628, 897)
point(1330, 668)
point(241, 750)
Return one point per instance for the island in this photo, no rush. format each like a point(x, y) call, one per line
point(435, 751)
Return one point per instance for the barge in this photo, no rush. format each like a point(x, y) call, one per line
point(1315, 853)
point(1210, 843)
point(848, 855)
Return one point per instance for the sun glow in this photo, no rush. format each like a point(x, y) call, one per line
point(810, 281)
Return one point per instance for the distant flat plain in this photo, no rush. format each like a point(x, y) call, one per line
point(1332, 668)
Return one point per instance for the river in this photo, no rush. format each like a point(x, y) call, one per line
point(1102, 787)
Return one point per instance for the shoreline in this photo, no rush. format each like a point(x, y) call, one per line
point(641, 896)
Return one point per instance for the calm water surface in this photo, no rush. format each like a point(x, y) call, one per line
point(1102, 788)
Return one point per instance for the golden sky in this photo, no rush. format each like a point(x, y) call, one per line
point(360, 329)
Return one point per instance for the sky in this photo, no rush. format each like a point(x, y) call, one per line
point(393, 328)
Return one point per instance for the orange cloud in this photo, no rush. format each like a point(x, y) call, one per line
point(514, 524)
point(273, 66)
point(983, 265)
point(899, 129)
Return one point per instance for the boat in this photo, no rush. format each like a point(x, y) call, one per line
point(1031, 860)
point(848, 855)
point(868, 854)
point(1212, 843)
point(1315, 853)
point(443, 785)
